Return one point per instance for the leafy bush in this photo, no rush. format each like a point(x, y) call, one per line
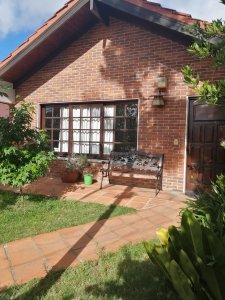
point(24, 151)
point(193, 259)
point(209, 207)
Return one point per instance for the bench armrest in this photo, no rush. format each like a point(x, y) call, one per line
point(105, 165)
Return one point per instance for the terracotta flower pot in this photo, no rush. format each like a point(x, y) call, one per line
point(70, 176)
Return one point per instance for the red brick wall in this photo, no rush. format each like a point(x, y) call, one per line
point(4, 110)
point(123, 61)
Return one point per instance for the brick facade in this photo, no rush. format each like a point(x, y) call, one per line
point(4, 110)
point(123, 61)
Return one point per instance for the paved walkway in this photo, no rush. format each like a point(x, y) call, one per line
point(34, 257)
point(135, 197)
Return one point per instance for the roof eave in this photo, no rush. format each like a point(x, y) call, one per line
point(147, 15)
point(42, 36)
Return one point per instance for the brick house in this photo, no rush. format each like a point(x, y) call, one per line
point(92, 72)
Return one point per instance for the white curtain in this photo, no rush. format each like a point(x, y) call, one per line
point(109, 112)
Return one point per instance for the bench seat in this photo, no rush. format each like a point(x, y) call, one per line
point(136, 162)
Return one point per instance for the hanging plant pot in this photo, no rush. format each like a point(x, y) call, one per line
point(70, 176)
point(88, 179)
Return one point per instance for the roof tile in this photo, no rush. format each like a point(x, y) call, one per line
point(152, 6)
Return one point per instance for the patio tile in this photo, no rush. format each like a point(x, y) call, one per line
point(3, 259)
point(27, 255)
point(6, 279)
point(26, 272)
point(82, 242)
point(101, 238)
point(88, 253)
point(62, 259)
point(19, 245)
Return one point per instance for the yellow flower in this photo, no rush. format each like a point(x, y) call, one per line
point(163, 236)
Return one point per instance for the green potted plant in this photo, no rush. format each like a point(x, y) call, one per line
point(74, 166)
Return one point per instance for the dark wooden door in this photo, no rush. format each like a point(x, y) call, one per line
point(205, 156)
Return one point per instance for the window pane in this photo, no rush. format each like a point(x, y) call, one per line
point(119, 136)
point(120, 111)
point(76, 123)
point(86, 112)
point(107, 148)
point(76, 112)
point(76, 148)
point(131, 136)
point(85, 136)
point(95, 136)
point(108, 136)
point(64, 135)
point(76, 135)
point(95, 123)
point(56, 123)
point(84, 148)
point(56, 147)
point(65, 112)
point(65, 123)
point(48, 111)
point(119, 123)
point(108, 123)
point(95, 149)
point(48, 123)
point(49, 133)
point(56, 112)
point(131, 123)
point(56, 134)
point(132, 110)
point(64, 146)
point(109, 111)
point(85, 123)
point(95, 112)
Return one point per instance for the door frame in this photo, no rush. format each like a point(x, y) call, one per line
point(188, 99)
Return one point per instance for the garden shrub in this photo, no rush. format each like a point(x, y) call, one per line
point(209, 207)
point(24, 151)
point(193, 259)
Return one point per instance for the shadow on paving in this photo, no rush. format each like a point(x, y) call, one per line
point(42, 287)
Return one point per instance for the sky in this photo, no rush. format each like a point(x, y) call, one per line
point(20, 18)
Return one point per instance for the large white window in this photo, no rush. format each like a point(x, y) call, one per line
point(92, 129)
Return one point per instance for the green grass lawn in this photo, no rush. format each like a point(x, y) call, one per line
point(26, 215)
point(126, 275)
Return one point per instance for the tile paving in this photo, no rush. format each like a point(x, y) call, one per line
point(34, 257)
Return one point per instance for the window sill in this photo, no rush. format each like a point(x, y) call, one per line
point(91, 160)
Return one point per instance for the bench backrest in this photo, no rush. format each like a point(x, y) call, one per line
point(136, 160)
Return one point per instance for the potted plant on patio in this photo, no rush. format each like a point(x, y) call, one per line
point(74, 167)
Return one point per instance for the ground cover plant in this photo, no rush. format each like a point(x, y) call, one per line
point(127, 275)
point(25, 215)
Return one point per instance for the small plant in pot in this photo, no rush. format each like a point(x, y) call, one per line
point(74, 166)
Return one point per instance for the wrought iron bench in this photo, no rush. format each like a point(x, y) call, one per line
point(134, 163)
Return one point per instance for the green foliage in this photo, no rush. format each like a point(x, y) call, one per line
point(24, 154)
point(193, 259)
point(211, 93)
point(209, 207)
point(209, 43)
point(77, 162)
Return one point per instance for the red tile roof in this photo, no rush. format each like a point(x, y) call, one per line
point(151, 6)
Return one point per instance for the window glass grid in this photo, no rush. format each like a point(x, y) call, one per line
point(94, 129)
